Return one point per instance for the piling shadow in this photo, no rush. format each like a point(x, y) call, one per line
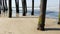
point(57, 29)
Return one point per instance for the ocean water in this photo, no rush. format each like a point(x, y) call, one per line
point(49, 13)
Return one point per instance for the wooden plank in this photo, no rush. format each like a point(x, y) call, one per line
point(41, 22)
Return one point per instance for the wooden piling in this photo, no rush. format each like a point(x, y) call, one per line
point(41, 22)
point(10, 8)
point(0, 6)
point(17, 7)
point(24, 6)
point(0, 12)
point(6, 8)
point(3, 6)
point(3, 14)
point(59, 16)
point(32, 13)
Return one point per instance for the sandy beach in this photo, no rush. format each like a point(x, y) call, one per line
point(27, 25)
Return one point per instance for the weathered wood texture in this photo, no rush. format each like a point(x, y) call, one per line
point(41, 22)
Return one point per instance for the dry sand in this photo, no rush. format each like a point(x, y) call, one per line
point(27, 26)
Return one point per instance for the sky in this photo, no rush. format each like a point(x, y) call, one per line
point(51, 4)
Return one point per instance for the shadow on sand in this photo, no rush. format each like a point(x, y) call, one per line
point(57, 29)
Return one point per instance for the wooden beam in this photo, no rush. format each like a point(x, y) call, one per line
point(32, 13)
point(41, 22)
point(17, 7)
point(24, 6)
point(10, 8)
